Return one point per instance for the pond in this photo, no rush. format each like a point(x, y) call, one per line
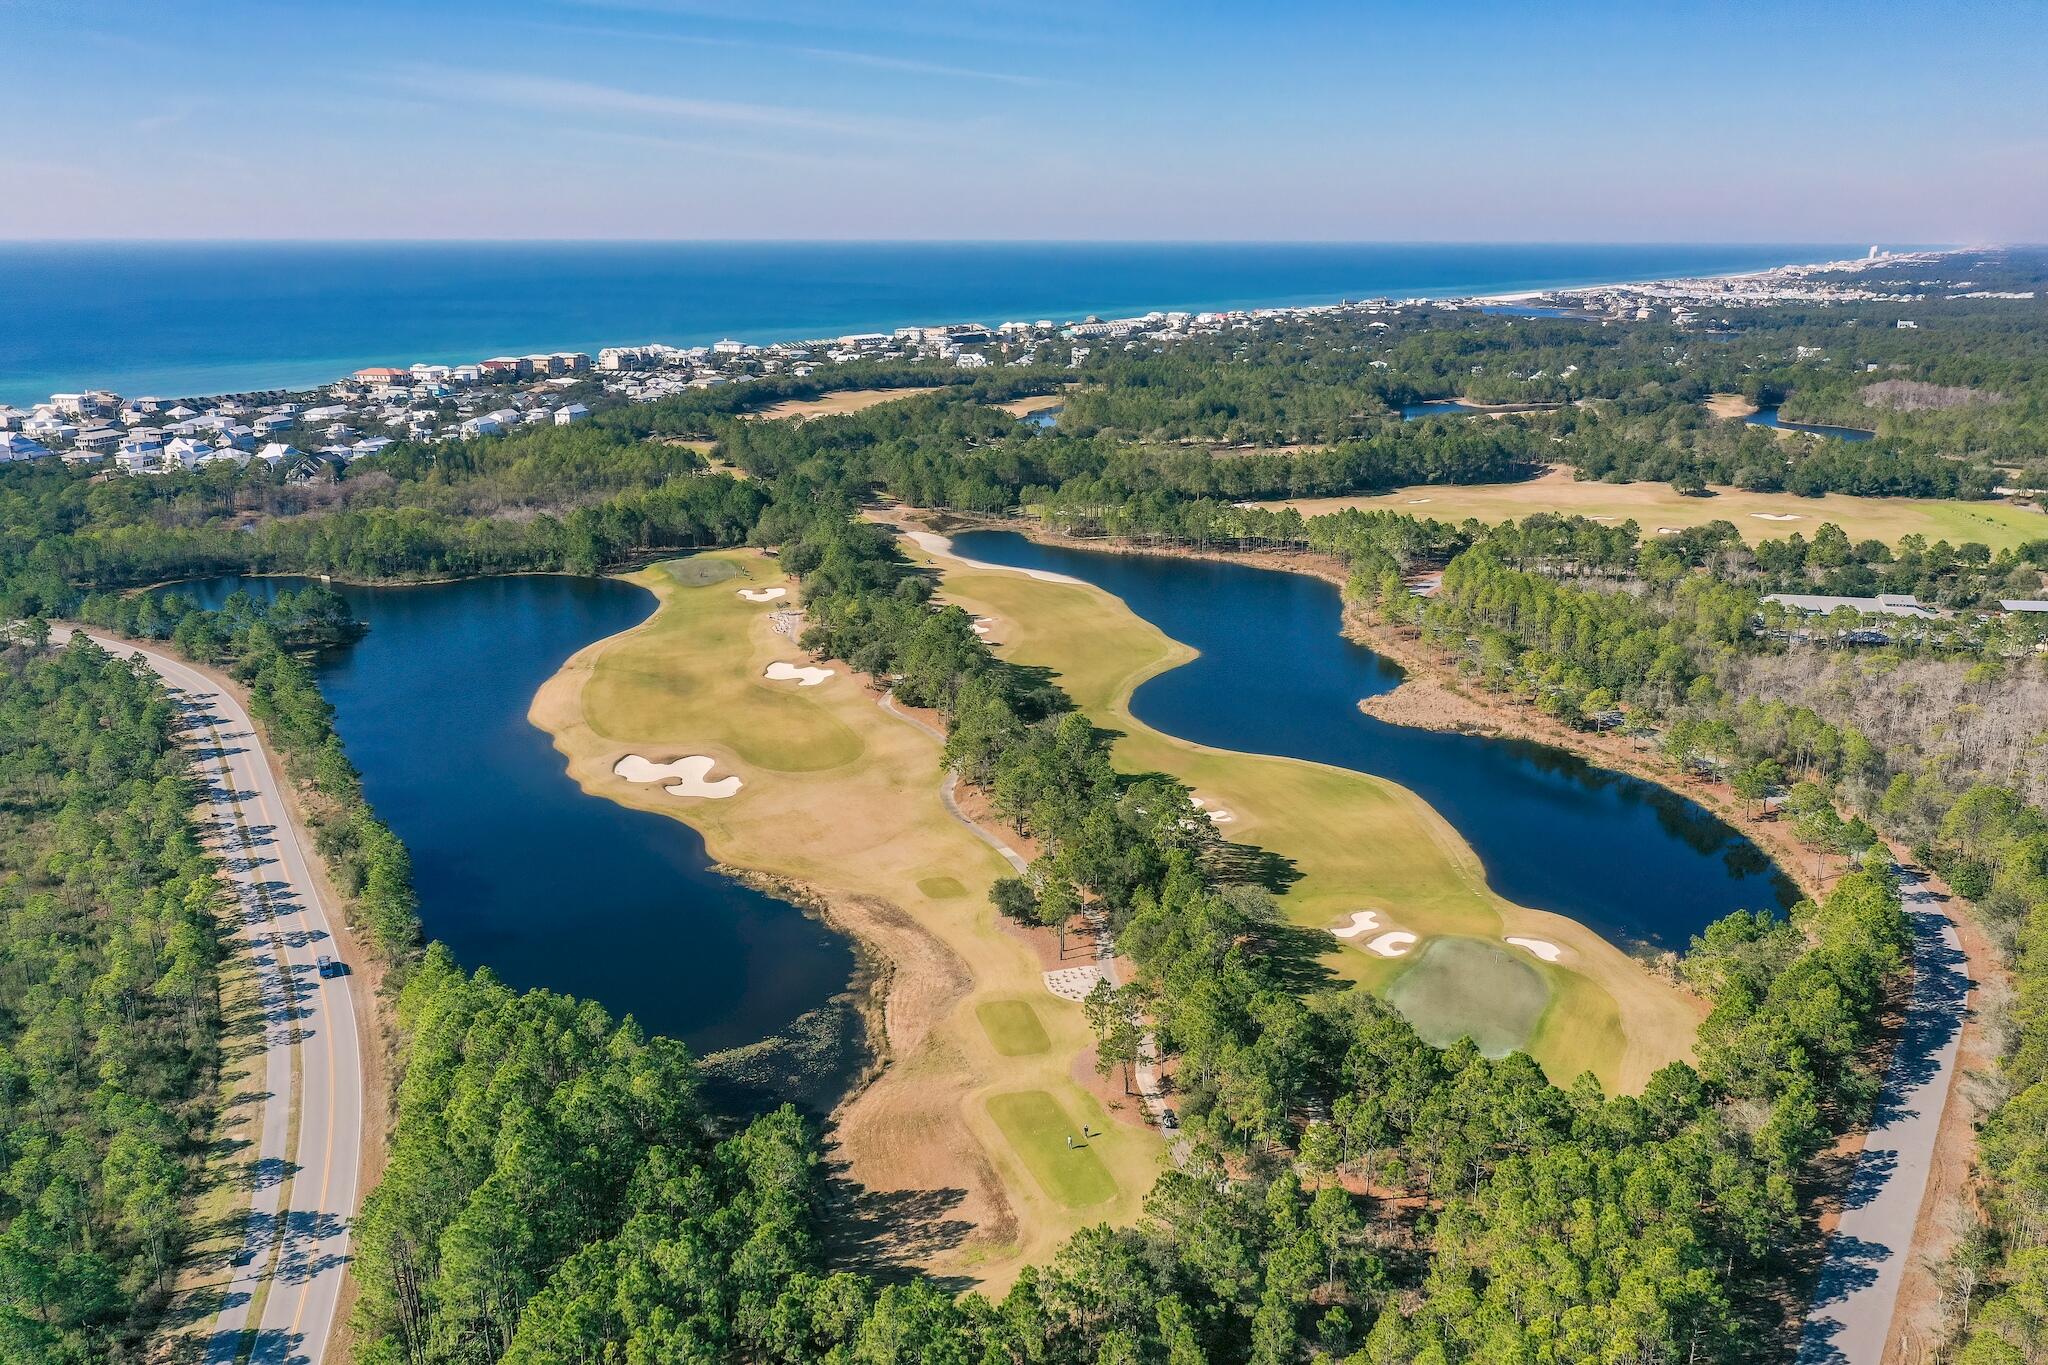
point(1768, 417)
point(520, 871)
point(1631, 860)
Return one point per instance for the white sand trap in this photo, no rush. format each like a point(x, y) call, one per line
point(1667, 530)
point(1417, 502)
point(1599, 518)
point(1394, 944)
point(1777, 516)
point(1361, 922)
point(981, 626)
point(1543, 948)
point(688, 776)
point(763, 594)
point(800, 675)
point(1219, 816)
point(933, 543)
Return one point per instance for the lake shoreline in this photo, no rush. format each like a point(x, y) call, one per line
point(1435, 701)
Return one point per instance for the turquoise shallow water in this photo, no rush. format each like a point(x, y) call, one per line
point(175, 319)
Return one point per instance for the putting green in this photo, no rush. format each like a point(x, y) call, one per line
point(941, 888)
point(1468, 988)
point(1013, 1026)
point(1038, 1129)
point(700, 571)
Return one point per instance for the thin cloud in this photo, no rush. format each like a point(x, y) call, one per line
point(847, 56)
point(910, 64)
point(555, 95)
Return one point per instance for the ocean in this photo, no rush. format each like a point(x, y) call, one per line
point(180, 319)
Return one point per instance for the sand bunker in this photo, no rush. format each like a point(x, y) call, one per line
point(1219, 816)
point(1361, 922)
point(800, 675)
point(982, 625)
point(1417, 502)
point(1667, 530)
point(1543, 948)
point(1777, 516)
point(1394, 944)
point(685, 776)
point(763, 594)
point(933, 543)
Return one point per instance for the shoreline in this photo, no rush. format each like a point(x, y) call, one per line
point(1426, 673)
point(449, 356)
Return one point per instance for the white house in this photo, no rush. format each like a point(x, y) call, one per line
point(373, 445)
point(278, 453)
point(573, 413)
point(186, 452)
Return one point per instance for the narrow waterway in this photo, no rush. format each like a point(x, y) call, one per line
point(521, 871)
point(1627, 858)
point(1768, 417)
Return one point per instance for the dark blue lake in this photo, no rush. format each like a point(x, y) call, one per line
point(1629, 859)
point(517, 868)
point(1768, 417)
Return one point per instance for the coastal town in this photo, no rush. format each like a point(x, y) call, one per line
point(307, 434)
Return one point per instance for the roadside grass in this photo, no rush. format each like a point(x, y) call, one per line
point(1329, 842)
point(1468, 988)
point(870, 831)
point(1038, 1129)
point(1013, 1027)
point(1999, 525)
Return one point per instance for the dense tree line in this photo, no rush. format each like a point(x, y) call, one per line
point(266, 648)
point(109, 1013)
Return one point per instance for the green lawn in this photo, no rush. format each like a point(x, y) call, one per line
point(1013, 1026)
point(1464, 987)
point(700, 571)
point(686, 655)
point(942, 888)
point(1038, 1129)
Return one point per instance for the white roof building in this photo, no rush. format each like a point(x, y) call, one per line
point(574, 412)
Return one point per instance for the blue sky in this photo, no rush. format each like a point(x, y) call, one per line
point(1058, 119)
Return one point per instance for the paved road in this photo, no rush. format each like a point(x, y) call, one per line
point(297, 1239)
point(1866, 1256)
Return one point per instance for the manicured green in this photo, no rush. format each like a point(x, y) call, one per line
point(1013, 1026)
point(942, 888)
point(1038, 1129)
point(701, 570)
point(1464, 987)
